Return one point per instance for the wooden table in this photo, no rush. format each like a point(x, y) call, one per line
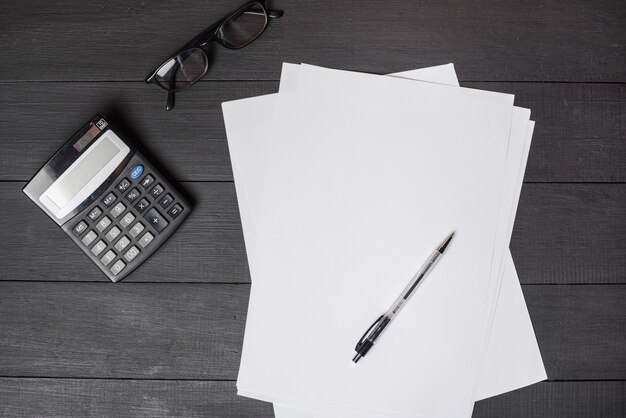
point(167, 340)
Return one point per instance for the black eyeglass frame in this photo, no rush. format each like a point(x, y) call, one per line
point(204, 38)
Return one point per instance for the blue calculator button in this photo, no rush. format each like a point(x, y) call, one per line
point(136, 171)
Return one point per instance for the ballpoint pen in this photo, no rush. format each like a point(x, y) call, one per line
point(373, 332)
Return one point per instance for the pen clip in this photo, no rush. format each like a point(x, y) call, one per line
point(360, 343)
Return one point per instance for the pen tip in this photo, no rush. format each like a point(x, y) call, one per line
point(443, 246)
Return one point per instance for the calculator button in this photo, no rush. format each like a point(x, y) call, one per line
point(109, 199)
point(136, 171)
point(112, 234)
point(132, 253)
point(108, 257)
point(175, 211)
point(103, 223)
point(98, 248)
point(142, 205)
point(89, 238)
point(156, 192)
point(118, 210)
point(133, 195)
point(146, 181)
point(117, 267)
point(136, 229)
point(156, 220)
point(80, 228)
point(123, 185)
point(146, 239)
point(166, 201)
point(94, 214)
point(122, 243)
point(127, 220)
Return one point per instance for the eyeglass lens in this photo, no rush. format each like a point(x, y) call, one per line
point(244, 27)
point(189, 66)
point(183, 70)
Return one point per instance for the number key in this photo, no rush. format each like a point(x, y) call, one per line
point(103, 223)
point(122, 243)
point(136, 229)
point(132, 253)
point(118, 209)
point(127, 219)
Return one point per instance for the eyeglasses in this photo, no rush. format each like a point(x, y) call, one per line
point(190, 63)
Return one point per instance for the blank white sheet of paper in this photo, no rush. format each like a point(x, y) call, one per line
point(254, 166)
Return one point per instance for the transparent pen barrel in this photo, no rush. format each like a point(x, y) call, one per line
point(413, 284)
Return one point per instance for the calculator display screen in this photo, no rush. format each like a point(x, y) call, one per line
point(85, 174)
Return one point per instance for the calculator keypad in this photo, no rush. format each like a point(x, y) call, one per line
point(127, 220)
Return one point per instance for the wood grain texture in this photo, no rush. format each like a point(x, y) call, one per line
point(151, 398)
point(558, 400)
point(564, 233)
point(508, 40)
point(195, 331)
point(580, 135)
point(125, 398)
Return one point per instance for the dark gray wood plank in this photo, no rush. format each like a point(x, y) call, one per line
point(125, 398)
point(195, 331)
point(579, 137)
point(158, 398)
point(513, 41)
point(571, 233)
point(129, 331)
point(558, 400)
point(564, 233)
point(576, 326)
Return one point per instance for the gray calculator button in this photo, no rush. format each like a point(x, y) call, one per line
point(112, 234)
point(166, 201)
point(175, 211)
point(127, 219)
point(155, 220)
point(94, 214)
point(133, 194)
point(132, 253)
point(136, 229)
point(109, 199)
point(118, 210)
point(122, 243)
point(147, 181)
point(108, 257)
point(142, 205)
point(117, 267)
point(98, 248)
point(103, 223)
point(80, 228)
point(88, 239)
point(146, 239)
point(123, 185)
point(156, 192)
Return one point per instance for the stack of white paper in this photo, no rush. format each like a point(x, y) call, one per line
point(346, 182)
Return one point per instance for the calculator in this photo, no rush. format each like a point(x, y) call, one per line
point(111, 201)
